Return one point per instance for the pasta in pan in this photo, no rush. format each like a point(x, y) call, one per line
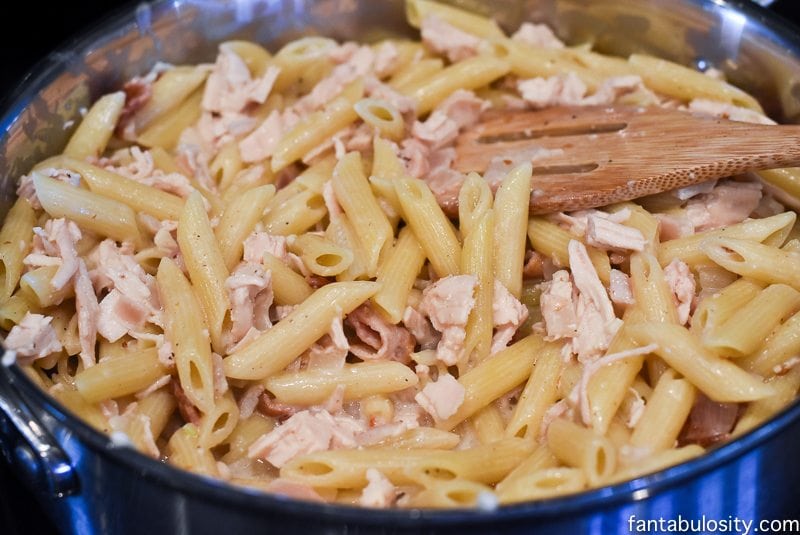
point(266, 270)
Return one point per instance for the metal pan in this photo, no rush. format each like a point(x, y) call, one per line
point(88, 485)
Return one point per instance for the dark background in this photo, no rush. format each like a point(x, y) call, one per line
point(20, 48)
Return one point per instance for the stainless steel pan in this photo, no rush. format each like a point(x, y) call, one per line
point(89, 486)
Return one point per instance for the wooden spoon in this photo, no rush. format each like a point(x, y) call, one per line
point(599, 155)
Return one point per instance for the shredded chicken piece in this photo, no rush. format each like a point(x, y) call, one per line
point(728, 203)
point(386, 58)
point(55, 245)
point(559, 90)
point(682, 284)
point(27, 190)
point(444, 38)
point(620, 288)
point(379, 491)
point(441, 398)
point(306, 432)
point(727, 111)
point(448, 303)
point(188, 411)
point(414, 155)
point(261, 142)
point(597, 323)
point(250, 294)
point(538, 35)
point(590, 368)
point(507, 315)
point(673, 226)
point(559, 307)
point(88, 314)
point(331, 350)
point(606, 234)
point(357, 65)
point(138, 165)
point(569, 90)
point(248, 401)
point(132, 300)
point(33, 337)
point(230, 87)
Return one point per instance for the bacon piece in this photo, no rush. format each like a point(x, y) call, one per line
point(507, 315)
point(380, 340)
point(558, 307)
point(33, 337)
point(441, 398)
point(448, 303)
point(728, 203)
point(379, 491)
point(538, 35)
point(269, 407)
point(188, 411)
point(682, 284)
point(306, 432)
point(317, 281)
point(445, 39)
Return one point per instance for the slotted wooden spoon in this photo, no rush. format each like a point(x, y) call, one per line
point(607, 154)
